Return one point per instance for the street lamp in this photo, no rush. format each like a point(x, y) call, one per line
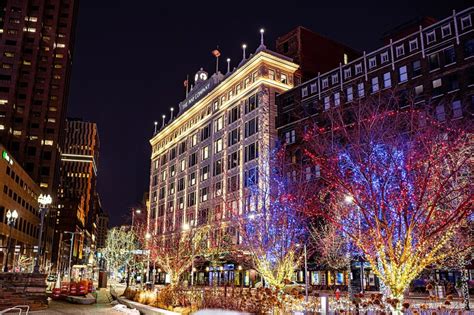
point(70, 251)
point(147, 238)
point(349, 200)
point(135, 211)
point(44, 202)
point(187, 227)
point(11, 219)
point(305, 272)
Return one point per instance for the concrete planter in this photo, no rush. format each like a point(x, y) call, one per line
point(145, 309)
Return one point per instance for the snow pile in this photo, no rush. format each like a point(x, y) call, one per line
point(124, 309)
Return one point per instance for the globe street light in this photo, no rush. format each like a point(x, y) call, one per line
point(11, 219)
point(44, 202)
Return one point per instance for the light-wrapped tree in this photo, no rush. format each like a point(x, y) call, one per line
point(397, 182)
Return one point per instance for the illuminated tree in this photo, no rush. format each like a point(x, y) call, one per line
point(272, 227)
point(396, 182)
point(120, 248)
point(175, 253)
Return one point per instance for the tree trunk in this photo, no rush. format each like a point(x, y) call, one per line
point(465, 289)
point(128, 277)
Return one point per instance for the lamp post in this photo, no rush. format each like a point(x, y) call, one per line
point(70, 252)
point(187, 227)
point(11, 219)
point(44, 201)
point(305, 272)
point(147, 238)
point(349, 200)
point(135, 211)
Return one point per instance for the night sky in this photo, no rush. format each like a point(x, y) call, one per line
point(131, 58)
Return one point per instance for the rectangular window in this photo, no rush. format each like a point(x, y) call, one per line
point(171, 188)
point(163, 175)
point(449, 56)
point(337, 99)
point(466, 22)
point(182, 147)
point(194, 140)
point(192, 179)
point(402, 74)
point(349, 94)
point(218, 145)
point(192, 159)
point(181, 184)
point(233, 137)
point(173, 153)
point(218, 168)
point(358, 68)
point(290, 137)
point(205, 153)
point(387, 80)
point(440, 113)
point(314, 87)
point(219, 124)
point(191, 199)
point(233, 160)
point(325, 83)
point(251, 103)
point(283, 78)
point(304, 92)
point(437, 83)
point(416, 68)
point(419, 89)
point(251, 152)
point(204, 194)
point(234, 114)
point(205, 173)
point(335, 78)
point(384, 57)
point(375, 84)
point(360, 90)
point(372, 62)
point(430, 37)
point(251, 127)
point(445, 30)
point(434, 61)
point(271, 74)
point(172, 170)
point(327, 104)
point(205, 132)
point(347, 73)
point(457, 109)
point(251, 177)
point(218, 189)
point(400, 50)
point(183, 165)
point(233, 183)
point(413, 44)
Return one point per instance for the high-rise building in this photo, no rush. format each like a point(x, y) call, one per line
point(20, 194)
point(77, 191)
point(204, 160)
point(36, 47)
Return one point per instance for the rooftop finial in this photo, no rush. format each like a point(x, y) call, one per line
point(228, 65)
point(244, 46)
point(156, 125)
point(163, 123)
point(262, 31)
point(172, 110)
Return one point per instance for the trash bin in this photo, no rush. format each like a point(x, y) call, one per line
point(102, 279)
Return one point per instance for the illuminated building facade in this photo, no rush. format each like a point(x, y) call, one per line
point(428, 66)
point(77, 192)
point(36, 47)
point(20, 193)
point(203, 161)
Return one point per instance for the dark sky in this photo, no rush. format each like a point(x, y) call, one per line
point(131, 58)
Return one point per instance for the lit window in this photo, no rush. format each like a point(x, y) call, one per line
point(271, 74)
point(375, 84)
point(337, 99)
point(51, 120)
point(304, 92)
point(17, 132)
point(413, 44)
point(219, 124)
point(3, 101)
point(419, 89)
point(347, 73)
point(346, 59)
point(349, 94)
point(457, 109)
point(358, 68)
point(384, 57)
point(59, 45)
point(325, 83)
point(218, 145)
point(440, 113)
point(183, 165)
point(402, 71)
point(326, 103)
point(284, 78)
point(387, 80)
point(372, 62)
point(47, 142)
point(290, 137)
point(335, 78)
point(205, 153)
point(194, 139)
point(437, 83)
point(400, 50)
point(2, 127)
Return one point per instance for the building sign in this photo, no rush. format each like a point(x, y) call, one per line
point(195, 95)
point(7, 157)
